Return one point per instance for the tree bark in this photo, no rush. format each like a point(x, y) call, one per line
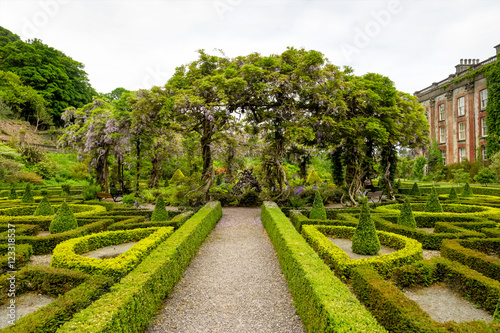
point(390, 191)
point(102, 171)
point(137, 166)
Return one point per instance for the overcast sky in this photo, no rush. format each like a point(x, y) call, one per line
point(137, 44)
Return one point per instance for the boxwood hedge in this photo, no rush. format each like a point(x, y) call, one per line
point(323, 302)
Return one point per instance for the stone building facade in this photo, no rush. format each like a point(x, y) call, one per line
point(457, 112)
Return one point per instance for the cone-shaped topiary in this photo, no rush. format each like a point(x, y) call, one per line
point(432, 205)
point(453, 194)
point(27, 196)
point(415, 190)
point(365, 239)
point(12, 194)
point(63, 221)
point(318, 209)
point(178, 176)
point(313, 178)
point(44, 208)
point(406, 217)
point(467, 192)
point(160, 213)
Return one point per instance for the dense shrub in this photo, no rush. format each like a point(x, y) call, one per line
point(27, 196)
point(467, 192)
point(432, 205)
point(318, 209)
point(12, 194)
point(63, 221)
point(453, 194)
point(159, 213)
point(89, 192)
point(415, 190)
point(365, 239)
point(44, 208)
point(177, 177)
point(313, 178)
point(406, 217)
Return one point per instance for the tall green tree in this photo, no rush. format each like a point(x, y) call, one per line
point(376, 120)
point(434, 158)
point(59, 79)
point(23, 102)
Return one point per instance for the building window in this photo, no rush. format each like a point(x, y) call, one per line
point(441, 112)
point(442, 134)
point(484, 98)
point(483, 152)
point(484, 129)
point(461, 130)
point(461, 154)
point(443, 154)
point(461, 106)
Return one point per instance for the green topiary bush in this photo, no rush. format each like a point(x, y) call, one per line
point(415, 190)
point(44, 208)
point(453, 194)
point(365, 239)
point(318, 211)
point(160, 213)
point(406, 217)
point(12, 194)
point(313, 178)
point(432, 205)
point(27, 196)
point(177, 177)
point(63, 221)
point(467, 192)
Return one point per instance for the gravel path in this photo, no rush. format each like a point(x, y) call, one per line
point(443, 305)
point(233, 284)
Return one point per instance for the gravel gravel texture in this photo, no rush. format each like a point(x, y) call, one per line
point(346, 244)
point(233, 284)
point(443, 305)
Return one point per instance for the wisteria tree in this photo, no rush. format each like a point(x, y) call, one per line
point(376, 121)
point(153, 131)
point(202, 92)
point(95, 130)
point(285, 96)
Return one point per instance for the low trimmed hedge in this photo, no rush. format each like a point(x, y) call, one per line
point(134, 223)
point(452, 213)
point(323, 302)
point(468, 282)
point(76, 291)
point(430, 241)
point(474, 254)
point(133, 301)
point(396, 312)
point(493, 191)
point(408, 250)
point(68, 253)
point(24, 215)
point(400, 314)
point(45, 244)
point(298, 220)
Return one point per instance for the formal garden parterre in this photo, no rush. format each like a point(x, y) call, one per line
point(288, 132)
